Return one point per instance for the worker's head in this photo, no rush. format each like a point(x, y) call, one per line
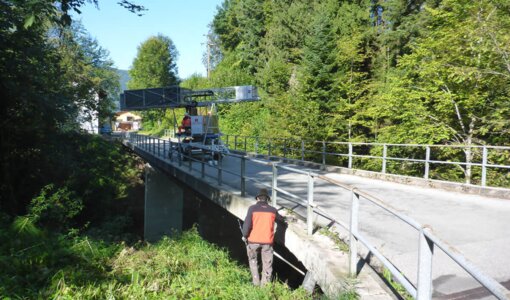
point(263, 195)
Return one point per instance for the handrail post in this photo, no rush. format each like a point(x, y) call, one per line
point(384, 154)
point(350, 156)
point(244, 144)
point(164, 149)
point(427, 164)
point(302, 150)
point(323, 154)
point(256, 145)
point(309, 215)
point(269, 148)
point(243, 179)
point(189, 160)
point(179, 153)
point(484, 165)
point(425, 253)
point(353, 230)
point(274, 185)
point(226, 142)
point(235, 142)
point(202, 167)
point(159, 147)
point(220, 164)
point(285, 148)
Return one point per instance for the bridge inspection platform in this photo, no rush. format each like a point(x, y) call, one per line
point(438, 244)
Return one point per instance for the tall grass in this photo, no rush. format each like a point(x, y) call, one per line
point(36, 264)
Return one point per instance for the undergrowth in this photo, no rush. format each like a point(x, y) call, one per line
point(37, 264)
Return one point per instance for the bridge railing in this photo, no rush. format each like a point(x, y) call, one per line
point(476, 162)
point(428, 241)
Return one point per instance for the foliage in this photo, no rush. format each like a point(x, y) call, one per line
point(430, 72)
point(155, 66)
point(77, 266)
point(51, 79)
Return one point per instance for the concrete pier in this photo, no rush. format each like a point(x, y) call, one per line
point(163, 205)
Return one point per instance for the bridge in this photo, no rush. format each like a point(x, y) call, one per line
point(437, 239)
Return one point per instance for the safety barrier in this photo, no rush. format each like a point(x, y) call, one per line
point(304, 150)
point(428, 242)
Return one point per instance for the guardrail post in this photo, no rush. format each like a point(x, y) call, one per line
point(269, 148)
point(309, 215)
point(256, 145)
point(243, 179)
point(274, 185)
point(384, 154)
point(323, 154)
point(427, 164)
point(220, 164)
point(179, 153)
point(226, 142)
point(353, 230)
point(350, 155)
point(284, 148)
point(484, 165)
point(302, 150)
point(235, 142)
point(425, 252)
point(202, 167)
point(244, 144)
point(164, 148)
point(189, 161)
point(159, 147)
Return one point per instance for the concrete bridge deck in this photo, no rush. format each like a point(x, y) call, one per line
point(476, 226)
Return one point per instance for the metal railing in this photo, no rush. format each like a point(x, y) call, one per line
point(320, 152)
point(428, 241)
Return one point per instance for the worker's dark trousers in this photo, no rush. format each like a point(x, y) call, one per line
point(267, 263)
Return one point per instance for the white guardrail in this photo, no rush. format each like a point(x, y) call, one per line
point(428, 242)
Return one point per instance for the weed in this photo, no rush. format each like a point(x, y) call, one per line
point(395, 285)
point(339, 243)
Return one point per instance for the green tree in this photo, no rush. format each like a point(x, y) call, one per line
point(46, 76)
point(155, 66)
point(453, 87)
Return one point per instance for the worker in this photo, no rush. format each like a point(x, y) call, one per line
point(258, 232)
point(185, 124)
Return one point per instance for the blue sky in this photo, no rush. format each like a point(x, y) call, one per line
point(121, 32)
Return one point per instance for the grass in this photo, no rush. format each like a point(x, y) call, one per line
point(339, 243)
point(37, 264)
point(395, 285)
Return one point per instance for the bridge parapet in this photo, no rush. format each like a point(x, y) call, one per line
point(161, 150)
point(484, 168)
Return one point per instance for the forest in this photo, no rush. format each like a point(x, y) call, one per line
point(393, 71)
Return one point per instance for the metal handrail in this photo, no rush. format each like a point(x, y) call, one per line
point(427, 161)
point(427, 241)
